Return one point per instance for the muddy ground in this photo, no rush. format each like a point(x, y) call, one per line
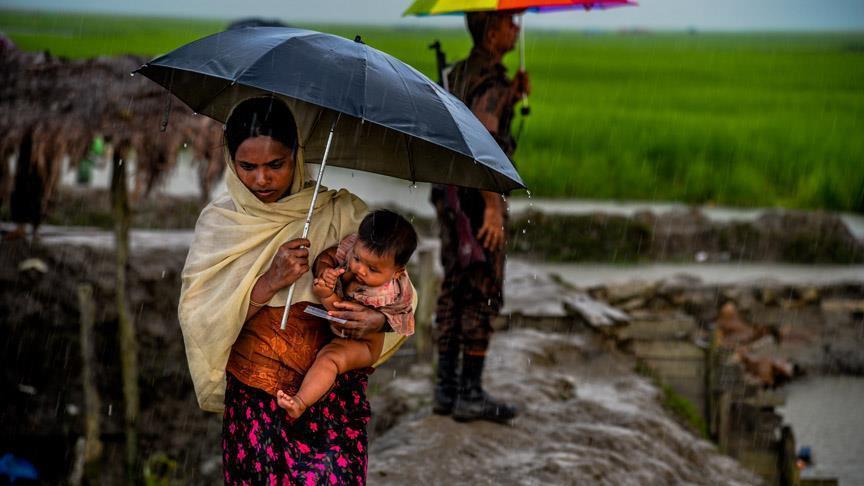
point(41, 365)
point(586, 417)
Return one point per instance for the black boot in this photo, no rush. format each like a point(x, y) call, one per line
point(447, 382)
point(475, 404)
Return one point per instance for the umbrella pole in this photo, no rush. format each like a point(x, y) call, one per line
point(522, 42)
point(309, 214)
point(525, 110)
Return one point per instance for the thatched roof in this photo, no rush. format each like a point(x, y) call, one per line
point(64, 104)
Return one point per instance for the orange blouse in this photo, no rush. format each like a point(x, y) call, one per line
point(270, 359)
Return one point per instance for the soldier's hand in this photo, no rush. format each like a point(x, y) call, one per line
point(491, 234)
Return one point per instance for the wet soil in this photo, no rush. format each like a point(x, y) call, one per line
point(586, 418)
point(41, 367)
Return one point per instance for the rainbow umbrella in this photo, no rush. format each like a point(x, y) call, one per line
point(451, 7)
point(444, 7)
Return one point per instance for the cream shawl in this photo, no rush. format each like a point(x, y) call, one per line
point(236, 237)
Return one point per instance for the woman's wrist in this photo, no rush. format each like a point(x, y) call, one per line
point(263, 290)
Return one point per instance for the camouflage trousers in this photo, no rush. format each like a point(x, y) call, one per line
point(470, 298)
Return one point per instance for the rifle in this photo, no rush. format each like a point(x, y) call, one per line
point(441, 62)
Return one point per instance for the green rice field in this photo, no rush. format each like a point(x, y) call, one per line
point(752, 119)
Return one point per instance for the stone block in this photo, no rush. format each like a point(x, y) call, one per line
point(850, 306)
point(668, 327)
point(819, 482)
point(629, 290)
point(667, 350)
point(761, 462)
point(666, 368)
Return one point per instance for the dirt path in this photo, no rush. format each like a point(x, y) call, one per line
point(587, 419)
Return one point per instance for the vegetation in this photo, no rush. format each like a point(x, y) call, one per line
point(680, 407)
point(732, 119)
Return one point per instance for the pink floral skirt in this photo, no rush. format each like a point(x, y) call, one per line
point(326, 445)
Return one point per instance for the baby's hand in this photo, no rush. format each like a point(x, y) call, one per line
point(330, 276)
point(325, 284)
point(320, 289)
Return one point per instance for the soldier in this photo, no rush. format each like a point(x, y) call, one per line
point(472, 226)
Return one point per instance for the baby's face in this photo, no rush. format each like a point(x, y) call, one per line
point(370, 269)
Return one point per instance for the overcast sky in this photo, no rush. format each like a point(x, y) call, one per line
point(653, 14)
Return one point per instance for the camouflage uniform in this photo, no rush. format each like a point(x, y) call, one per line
point(472, 291)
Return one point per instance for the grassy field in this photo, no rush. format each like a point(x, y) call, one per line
point(732, 119)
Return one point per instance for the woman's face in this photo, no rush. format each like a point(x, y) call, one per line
point(266, 167)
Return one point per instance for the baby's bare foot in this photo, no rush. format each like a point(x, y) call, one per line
point(293, 405)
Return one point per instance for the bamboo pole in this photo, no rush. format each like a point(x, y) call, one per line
point(427, 295)
point(92, 444)
point(126, 334)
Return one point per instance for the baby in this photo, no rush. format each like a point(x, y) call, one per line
point(367, 267)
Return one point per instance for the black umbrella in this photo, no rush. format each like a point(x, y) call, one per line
point(398, 122)
point(418, 131)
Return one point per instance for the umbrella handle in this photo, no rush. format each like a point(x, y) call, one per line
point(522, 41)
point(525, 109)
point(309, 214)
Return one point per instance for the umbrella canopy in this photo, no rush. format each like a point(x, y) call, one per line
point(442, 7)
point(393, 120)
point(449, 7)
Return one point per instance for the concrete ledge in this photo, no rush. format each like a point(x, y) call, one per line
point(663, 328)
point(667, 350)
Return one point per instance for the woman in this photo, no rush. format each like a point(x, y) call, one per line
point(244, 257)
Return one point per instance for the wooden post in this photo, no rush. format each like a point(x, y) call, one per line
point(724, 423)
point(712, 416)
point(92, 444)
point(789, 474)
point(427, 290)
point(126, 334)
